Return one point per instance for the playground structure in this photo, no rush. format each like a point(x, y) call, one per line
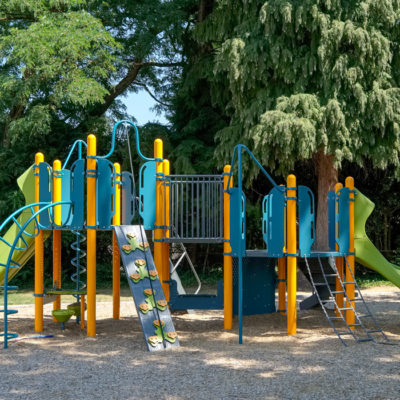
point(185, 209)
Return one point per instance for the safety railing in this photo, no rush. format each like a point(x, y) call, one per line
point(195, 208)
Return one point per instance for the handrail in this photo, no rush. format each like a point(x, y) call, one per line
point(11, 218)
point(137, 141)
point(80, 142)
point(240, 147)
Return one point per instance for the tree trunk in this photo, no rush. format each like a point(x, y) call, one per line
point(327, 178)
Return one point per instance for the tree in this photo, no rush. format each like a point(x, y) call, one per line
point(308, 80)
point(66, 63)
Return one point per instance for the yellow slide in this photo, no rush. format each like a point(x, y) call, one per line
point(26, 183)
point(366, 253)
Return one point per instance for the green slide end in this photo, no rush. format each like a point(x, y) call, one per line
point(366, 253)
point(26, 183)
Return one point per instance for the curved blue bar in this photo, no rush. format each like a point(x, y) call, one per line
point(80, 142)
point(14, 246)
point(137, 141)
point(240, 147)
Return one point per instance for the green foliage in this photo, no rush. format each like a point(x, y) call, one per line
point(298, 77)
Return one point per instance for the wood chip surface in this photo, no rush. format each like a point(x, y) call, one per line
point(210, 364)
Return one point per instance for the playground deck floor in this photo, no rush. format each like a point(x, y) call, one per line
point(209, 364)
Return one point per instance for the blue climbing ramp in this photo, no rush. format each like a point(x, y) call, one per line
point(146, 288)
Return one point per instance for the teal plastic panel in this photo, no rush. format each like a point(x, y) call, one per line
point(127, 198)
point(306, 220)
point(274, 222)
point(105, 193)
point(77, 219)
point(147, 194)
point(342, 219)
point(331, 219)
point(45, 194)
point(237, 222)
point(66, 213)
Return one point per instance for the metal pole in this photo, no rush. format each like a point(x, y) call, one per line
point(350, 271)
point(158, 232)
point(291, 256)
point(339, 263)
point(57, 232)
point(39, 250)
point(240, 259)
point(228, 278)
point(116, 253)
point(91, 235)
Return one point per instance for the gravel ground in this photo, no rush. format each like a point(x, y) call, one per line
point(209, 364)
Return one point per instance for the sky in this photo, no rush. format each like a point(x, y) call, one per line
point(139, 105)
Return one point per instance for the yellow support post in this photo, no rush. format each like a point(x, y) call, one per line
point(282, 285)
point(82, 311)
point(158, 232)
point(116, 253)
point(228, 273)
point(339, 266)
point(166, 222)
point(57, 232)
point(39, 250)
point(350, 270)
point(91, 235)
point(291, 255)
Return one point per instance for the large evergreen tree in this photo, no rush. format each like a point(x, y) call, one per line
point(309, 79)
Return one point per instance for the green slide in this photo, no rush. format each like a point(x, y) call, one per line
point(26, 183)
point(366, 253)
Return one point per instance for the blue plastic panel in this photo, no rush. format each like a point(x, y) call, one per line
point(127, 198)
point(331, 220)
point(274, 222)
point(105, 193)
point(237, 222)
point(45, 191)
point(306, 220)
point(342, 219)
point(77, 219)
point(147, 194)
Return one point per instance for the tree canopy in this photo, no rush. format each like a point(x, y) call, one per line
point(308, 79)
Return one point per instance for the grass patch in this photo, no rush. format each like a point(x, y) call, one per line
point(368, 281)
point(25, 296)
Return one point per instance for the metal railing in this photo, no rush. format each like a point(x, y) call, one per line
point(195, 208)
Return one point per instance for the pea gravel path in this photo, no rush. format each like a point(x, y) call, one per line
point(209, 364)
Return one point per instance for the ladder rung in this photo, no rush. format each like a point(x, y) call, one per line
point(356, 299)
point(345, 308)
point(364, 315)
point(9, 287)
point(353, 325)
point(345, 333)
point(9, 312)
point(330, 275)
point(364, 340)
point(375, 331)
point(320, 284)
point(336, 318)
point(337, 291)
